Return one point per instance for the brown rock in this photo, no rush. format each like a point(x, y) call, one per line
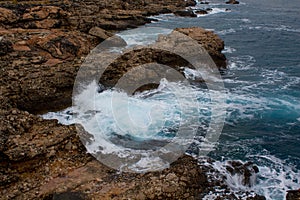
point(44, 12)
point(17, 47)
point(99, 32)
point(210, 41)
point(64, 45)
point(53, 62)
point(7, 16)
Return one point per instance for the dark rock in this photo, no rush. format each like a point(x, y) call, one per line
point(201, 12)
point(245, 170)
point(293, 195)
point(190, 3)
point(232, 2)
point(66, 196)
point(5, 46)
point(185, 13)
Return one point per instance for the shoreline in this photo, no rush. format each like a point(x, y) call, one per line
point(41, 159)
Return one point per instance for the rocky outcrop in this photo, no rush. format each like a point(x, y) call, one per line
point(210, 41)
point(41, 159)
point(41, 49)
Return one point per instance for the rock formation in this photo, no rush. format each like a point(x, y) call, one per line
point(41, 49)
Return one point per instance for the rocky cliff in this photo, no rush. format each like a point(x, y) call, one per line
point(41, 49)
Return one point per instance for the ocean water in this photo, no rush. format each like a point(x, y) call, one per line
point(262, 84)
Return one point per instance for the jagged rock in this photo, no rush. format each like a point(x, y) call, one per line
point(185, 13)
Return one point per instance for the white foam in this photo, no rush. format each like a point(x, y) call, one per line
point(273, 180)
point(246, 20)
point(228, 50)
point(214, 11)
point(226, 31)
point(142, 36)
point(244, 62)
point(275, 28)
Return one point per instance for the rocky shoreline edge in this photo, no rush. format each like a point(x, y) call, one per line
point(41, 48)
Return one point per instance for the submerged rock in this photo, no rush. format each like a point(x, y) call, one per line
point(201, 12)
point(185, 13)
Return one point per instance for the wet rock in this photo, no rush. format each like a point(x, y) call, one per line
point(293, 195)
point(232, 2)
point(201, 12)
point(245, 170)
point(185, 13)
